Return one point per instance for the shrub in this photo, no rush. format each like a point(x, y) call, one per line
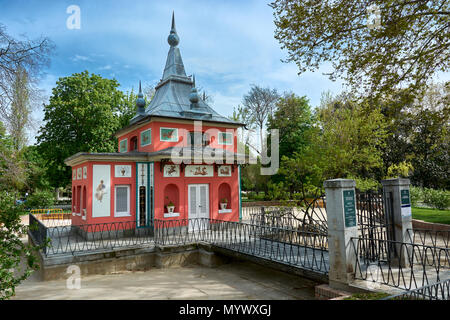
point(439, 199)
point(41, 200)
point(365, 184)
point(17, 259)
point(416, 194)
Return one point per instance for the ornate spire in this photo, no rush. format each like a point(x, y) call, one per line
point(140, 101)
point(173, 38)
point(174, 63)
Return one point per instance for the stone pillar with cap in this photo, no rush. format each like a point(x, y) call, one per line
point(397, 204)
point(342, 227)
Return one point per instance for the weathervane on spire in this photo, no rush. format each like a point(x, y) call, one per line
point(173, 38)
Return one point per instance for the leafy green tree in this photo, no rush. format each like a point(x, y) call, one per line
point(17, 259)
point(430, 149)
point(352, 135)
point(82, 115)
point(12, 167)
point(36, 170)
point(294, 119)
point(418, 134)
point(127, 108)
point(374, 45)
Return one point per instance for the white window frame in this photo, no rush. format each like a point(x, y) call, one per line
point(122, 214)
point(140, 137)
point(160, 135)
point(220, 141)
point(120, 142)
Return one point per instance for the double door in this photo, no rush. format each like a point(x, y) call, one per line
point(198, 197)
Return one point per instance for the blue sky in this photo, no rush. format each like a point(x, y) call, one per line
point(228, 45)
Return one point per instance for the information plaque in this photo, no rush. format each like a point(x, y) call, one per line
point(349, 208)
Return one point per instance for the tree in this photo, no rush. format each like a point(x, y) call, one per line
point(12, 168)
point(352, 135)
point(127, 108)
point(12, 250)
point(258, 104)
point(418, 135)
point(83, 114)
point(18, 117)
point(29, 55)
point(430, 149)
point(293, 118)
point(36, 171)
point(407, 44)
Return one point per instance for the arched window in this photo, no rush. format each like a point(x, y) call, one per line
point(79, 199)
point(83, 211)
point(225, 195)
point(74, 200)
point(133, 144)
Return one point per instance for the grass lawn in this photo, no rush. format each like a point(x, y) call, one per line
point(368, 296)
point(431, 215)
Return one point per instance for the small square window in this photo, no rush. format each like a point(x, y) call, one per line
point(225, 138)
point(146, 137)
point(123, 145)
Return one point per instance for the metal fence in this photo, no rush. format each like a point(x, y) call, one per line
point(435, 291)
point(308, 215)
point(402, 265)
point(430, 237)
point(374, 221)
point(302, 249)
point(308, 250)
point(72, 239)
point(38, 231)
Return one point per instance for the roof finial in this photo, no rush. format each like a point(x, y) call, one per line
point(173, 38)
point(173, 22)
point(140, 101)
point(193, 97)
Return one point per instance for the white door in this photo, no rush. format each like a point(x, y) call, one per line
point(198, 197)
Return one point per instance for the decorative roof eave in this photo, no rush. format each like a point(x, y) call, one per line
point(81, 157)
point(174, 154)
point(152, 118)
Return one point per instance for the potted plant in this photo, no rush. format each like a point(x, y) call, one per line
point(170, 206)
point(223, 203)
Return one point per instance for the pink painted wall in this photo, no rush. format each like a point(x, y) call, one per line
point(182, 183)
point(88, 183)
point(183, 129)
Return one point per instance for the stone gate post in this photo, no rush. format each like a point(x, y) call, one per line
point(342, 226)
point(397, 203)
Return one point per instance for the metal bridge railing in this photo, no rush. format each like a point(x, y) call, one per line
point(430, 237)
point(308, 250)
point(435, 291)
point(38, 232)
point(399, 264)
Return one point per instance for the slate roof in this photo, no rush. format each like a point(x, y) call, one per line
point(172, 95)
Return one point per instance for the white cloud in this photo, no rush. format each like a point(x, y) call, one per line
point(107, 67)
point(78, 57)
